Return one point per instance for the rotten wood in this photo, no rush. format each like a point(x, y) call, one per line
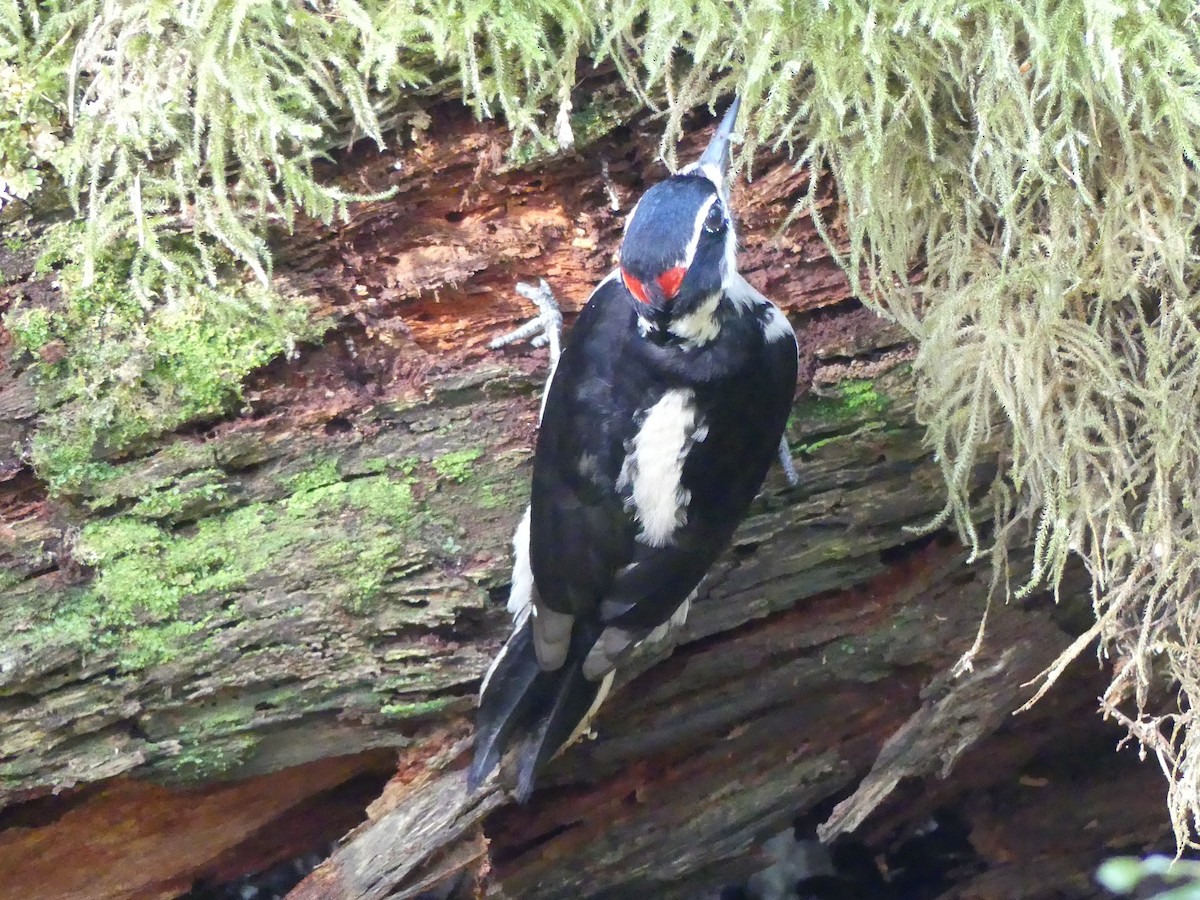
point(703, 757)
point(819, 655)
point(289, 663)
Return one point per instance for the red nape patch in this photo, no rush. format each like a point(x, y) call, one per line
point(670, 281)
point(635, 287)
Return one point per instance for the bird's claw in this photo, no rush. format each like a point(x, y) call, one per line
point(542, 330)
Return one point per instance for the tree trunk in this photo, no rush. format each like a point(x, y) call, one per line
point(210, 660)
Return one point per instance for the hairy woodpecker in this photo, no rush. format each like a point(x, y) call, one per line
point(659, 423)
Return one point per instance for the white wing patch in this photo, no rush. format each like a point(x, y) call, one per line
point(551, 630)
point(613, 642)
point(777, 327)
point(551, 636)
point(689, 254)
point(521, 593)
point(653, 467)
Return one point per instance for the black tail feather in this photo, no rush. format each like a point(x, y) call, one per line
point(541, 709)
point(572, 699)
point(504, 702)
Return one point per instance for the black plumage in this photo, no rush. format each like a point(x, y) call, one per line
point(585, 553)
point(660, 422)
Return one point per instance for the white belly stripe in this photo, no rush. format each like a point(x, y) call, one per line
point(654, 466)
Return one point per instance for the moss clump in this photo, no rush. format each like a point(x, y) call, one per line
point(848, 403)
point(155, 588)
point(31, 329)
point(130, 370)
point(457, 465)
point(199, 491)
point(320, 475)
point(862, 396)
point(32, 78)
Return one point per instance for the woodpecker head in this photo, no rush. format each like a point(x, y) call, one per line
point(679, 245)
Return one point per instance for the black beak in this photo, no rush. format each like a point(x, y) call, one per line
point(716, 155)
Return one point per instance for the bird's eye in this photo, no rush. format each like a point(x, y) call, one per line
point(715, 220)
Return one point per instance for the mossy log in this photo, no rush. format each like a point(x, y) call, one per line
point(221, 640)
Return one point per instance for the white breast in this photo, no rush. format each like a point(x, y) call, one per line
point(653, 468)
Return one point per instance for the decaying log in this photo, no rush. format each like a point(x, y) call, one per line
point(335, 557)
point(705, 756)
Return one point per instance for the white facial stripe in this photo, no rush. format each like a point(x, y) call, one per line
point(632, 213)
point(689, 253)
point(654, 466)
point(729, 273)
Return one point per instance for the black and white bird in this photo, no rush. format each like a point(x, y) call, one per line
point(660, 421)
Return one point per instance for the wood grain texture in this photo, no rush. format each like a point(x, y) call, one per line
point(367, 493)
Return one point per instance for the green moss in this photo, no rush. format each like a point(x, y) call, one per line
point(206, 757)
point(175, 500)
point(457, 465)
point(845, 404)
point(213, 742)
point(861, 396)
point(9, 579)
point(133, 369)
point(322, 474)
point(808, 449)
point(32, 120)
point(418, 708)
point(155, 587)
point(494, 497)
point(384, 497)
point(143, 575)
point(31, 329)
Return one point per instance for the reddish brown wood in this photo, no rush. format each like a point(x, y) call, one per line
point(820, 652)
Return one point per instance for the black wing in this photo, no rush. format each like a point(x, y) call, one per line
point(581, 533)
point(586, 558)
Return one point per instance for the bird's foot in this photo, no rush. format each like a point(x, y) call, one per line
point(544, 329)
point(785, 460)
